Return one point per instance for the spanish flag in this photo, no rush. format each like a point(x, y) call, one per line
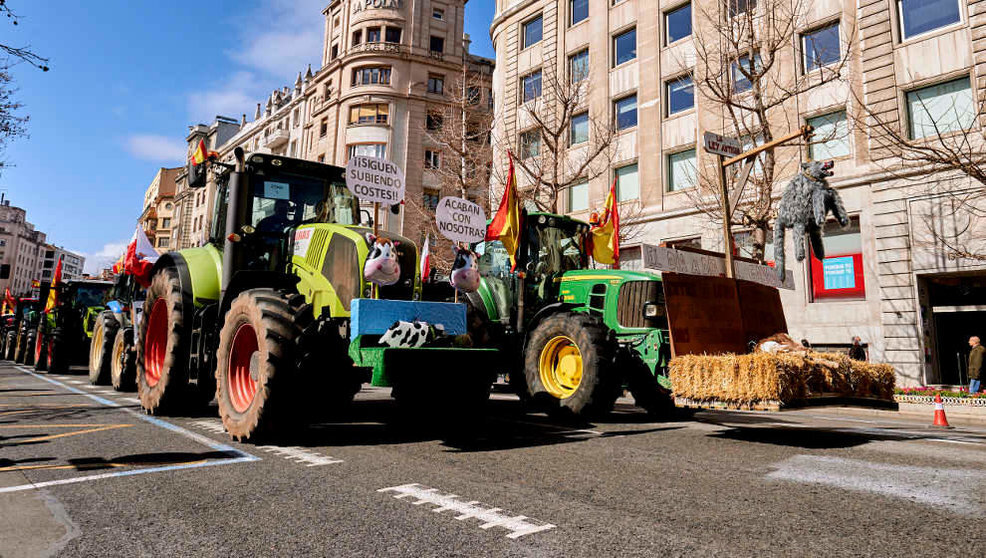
point(53, 293)
point(505, 226)
point(9, 304)
point(606, 233)
point(202, 154)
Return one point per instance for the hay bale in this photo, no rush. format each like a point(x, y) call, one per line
point(767, 380)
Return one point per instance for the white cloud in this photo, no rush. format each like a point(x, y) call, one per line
point(233, 97)
point(158, 149)
point(105, 257)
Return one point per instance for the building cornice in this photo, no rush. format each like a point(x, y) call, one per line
point(509, 12)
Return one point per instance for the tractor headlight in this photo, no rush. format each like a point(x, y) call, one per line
point(652, 310)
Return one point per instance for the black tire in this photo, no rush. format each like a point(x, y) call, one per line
point(29, 340)
point(9, 344)
point(19, 349)
point(58, 352)
point(40, 350)
point(647, 393)
point(261, 369)
point(101, 348)
point(162, 359)
point(600, 383)
point(123, 368)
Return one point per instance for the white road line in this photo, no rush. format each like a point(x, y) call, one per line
point(131, 400)
point(518, 525)
point(293, 453)
point(957, 490)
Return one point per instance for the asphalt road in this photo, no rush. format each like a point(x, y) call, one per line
point(84, 473)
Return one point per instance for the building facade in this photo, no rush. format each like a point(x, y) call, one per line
point(157, 217)
point(72, 264)
point(894, 276)
point(21, 250)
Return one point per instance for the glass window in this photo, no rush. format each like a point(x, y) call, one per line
point(921, 16)
point(625, 47)
point(532, 31)
point(530, 144)
point(438, 44)
point(578, 196)
point(532, 86)
point(831, 137)
point(430, 199)
point(357, 36)
point(626, 112)
point(741, 82)
point(682, 170)
point(579, 9)
point(578, 65)
point(438, 14)
point(821, 47)
point(434, 121)
point(473, 95)
point(378, 150)
point(627, 183)
point(737, 7)
point(436, 84)
point(393, 35)
point(433, 159)
point(375, 113)
point(373, 35)
point(678, 23)
point(941, 108)
point(681, 94)
point(840, 274)
point(580, 128)
point(367, 76)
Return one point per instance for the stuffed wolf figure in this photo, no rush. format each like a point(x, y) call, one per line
point(804, 207)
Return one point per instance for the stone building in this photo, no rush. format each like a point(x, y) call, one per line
point(894, 276)
point(158, 212)
point(21, 249)
point(72, 263)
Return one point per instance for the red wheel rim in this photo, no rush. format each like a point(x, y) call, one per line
point(49, 354)
point(38, 343)
point(242, 387)
point(156, 342)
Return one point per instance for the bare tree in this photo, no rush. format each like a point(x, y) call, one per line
point(749, 70)
point(23, 53)
point(12, 125)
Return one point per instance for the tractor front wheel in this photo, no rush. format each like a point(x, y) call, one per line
point(40, 351)
point(101, 348)
point(569, 364)
point(162, 354)
point(28, 352)
point(19, 349)
point(58, 357)
point(123, 369)
point(9, 345)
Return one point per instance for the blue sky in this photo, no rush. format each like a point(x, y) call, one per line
point(127, 79)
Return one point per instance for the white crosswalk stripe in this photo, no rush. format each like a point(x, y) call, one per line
point(299, 455)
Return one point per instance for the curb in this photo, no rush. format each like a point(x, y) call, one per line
point(973, 416)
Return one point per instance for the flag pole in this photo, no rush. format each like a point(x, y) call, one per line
point(376, 233)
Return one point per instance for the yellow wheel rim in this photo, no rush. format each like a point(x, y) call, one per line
point(560, 367)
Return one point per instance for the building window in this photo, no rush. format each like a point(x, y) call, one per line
point(627, 183)
point(741, 80)
point(678, 23)
point(531, 87)
point(530, 144)
point(625, 47)
point(357, 37)
point(434, 122)
point(433, 159)
point(578, 196)
point(162, 242)
point(436, 84)
point(378, 150)
point(437, 44)
point(474, 95)
point(335, 52)
point(626, 112)
point(438, 13)
point(831, 139)
point(682, 170)
point(430, 198)
point(821, 47)
point(578, 65)
point(373, 34)
point(579, 9)
point(165, 223)
point(393, 35)
point(737, 7)
point(840, 275)
point(921, 16)
point(372, 75)
point(680, 93)
point(580, 129)
point(323, 128)
point(532, 32)
point(941, 108)
point(373, 113)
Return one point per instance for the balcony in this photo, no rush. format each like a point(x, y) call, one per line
point(276, 139)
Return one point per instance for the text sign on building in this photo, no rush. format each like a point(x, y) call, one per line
point(372, 179)
point(360, 5)
point(721, 145)
point(658, 258)
point(460, 220)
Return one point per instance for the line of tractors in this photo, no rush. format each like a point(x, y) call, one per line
point(275, 320)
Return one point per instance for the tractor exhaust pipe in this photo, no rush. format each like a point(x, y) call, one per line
point(237, 205)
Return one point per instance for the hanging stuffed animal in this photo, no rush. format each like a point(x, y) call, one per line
point(465, 270)
point(381, 266)
point(804, 206)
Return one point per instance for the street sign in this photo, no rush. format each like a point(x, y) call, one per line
point(658, 258)
point(721, 145)
point(372, 179)
point(460, 220)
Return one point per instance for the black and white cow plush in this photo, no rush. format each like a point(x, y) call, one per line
point(381, 267)
point(465, 270)
point(411, 334)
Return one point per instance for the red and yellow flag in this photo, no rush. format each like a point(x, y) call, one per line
point(606, 234)
point(505, 226)
point(56, 280)
point(9, 304)
point(202, 154)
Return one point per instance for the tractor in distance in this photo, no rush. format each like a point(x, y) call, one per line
point(14, 339)
point(574, 337)
point(112, 353)
point(261, 317)
point(64, 334)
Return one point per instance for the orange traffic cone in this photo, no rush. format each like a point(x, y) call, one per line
point(940, 420)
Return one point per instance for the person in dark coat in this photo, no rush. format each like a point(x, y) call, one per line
point(975, 364)
point(857, 352)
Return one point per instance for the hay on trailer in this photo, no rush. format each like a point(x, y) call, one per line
point(764, 380)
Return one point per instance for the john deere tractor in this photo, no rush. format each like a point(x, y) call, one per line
point(262, 316)
point(63, 335)
point(14, 333)
point(575, 337)
point(112, 353)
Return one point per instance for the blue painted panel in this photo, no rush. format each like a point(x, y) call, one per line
point(373, 317)
point(839, 273)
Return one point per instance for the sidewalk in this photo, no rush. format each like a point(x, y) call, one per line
point(957, 414)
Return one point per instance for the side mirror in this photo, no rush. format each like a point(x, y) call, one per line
point(365, 218)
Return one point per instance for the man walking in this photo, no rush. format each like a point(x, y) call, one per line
point(857, 352)
point(975, 363)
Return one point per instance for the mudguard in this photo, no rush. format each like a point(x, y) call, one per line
point(199, 271)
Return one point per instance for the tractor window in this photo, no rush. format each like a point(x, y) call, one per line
point(558, 251)
point(494, 266)
point(287, 201)
point(91, 295)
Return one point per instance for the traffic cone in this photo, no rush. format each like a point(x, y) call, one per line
point(940, 420)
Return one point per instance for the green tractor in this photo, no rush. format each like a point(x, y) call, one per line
point(64, 334)
point(112, 355)
point(14, 332)
point(266, 317)
point(577, 336)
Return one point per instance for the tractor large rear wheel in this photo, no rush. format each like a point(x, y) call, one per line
point(569, 364)
point(123, 369)
point(29, 341)
point(162, 346)
point(19, 349)
point(58, 352)
point(9, 344)
point(101, 348)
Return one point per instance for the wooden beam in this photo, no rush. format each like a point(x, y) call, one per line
point(805, 131)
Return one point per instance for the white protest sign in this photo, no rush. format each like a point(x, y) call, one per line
point(460, 220)
point(375, 180)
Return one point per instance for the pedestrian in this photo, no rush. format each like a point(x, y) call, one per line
point(857, 352)
point(975, 363)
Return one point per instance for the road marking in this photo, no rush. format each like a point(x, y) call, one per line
point(131, 400)
point(294, 453)
point(518, 525)
point(956, 490)
point(87, 429)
